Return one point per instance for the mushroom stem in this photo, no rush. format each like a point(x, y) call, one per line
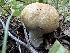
point(35, 37)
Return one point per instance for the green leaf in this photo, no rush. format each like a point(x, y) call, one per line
point(41, 1)
point(0, 9)
point(67, 19)
point(12, 1)
point(63, 2)
point(16, 13)
point(57, 48)
point(17, 6)
point(1, 2)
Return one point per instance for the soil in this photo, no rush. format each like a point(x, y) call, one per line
point(62, 34)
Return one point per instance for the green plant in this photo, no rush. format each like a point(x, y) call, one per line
point(6, 6)
point(6, 33)
point(57, 48)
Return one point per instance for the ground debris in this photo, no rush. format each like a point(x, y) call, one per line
point(62, 34)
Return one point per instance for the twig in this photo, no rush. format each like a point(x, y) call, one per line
point(13, 37)
point(18, 46)
point(57, 4)
point(28, 41)
point(26, 35)
point(16, 39)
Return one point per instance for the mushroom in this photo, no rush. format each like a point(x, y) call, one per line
point(39, 18)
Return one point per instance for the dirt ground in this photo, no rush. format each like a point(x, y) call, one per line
point(62, 34)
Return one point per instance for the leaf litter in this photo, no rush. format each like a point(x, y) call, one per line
point(62, 34)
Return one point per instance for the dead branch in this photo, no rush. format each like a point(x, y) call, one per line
point(28, 46)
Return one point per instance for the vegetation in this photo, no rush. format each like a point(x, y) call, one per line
point(8, 6)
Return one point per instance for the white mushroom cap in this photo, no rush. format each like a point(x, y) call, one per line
point(40, 16)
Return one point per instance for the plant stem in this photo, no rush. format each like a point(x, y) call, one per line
point(57, 4)
point(6, 34)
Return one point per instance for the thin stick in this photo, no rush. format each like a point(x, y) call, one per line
point(57, 4)
point(17, 40)
point(26, 35)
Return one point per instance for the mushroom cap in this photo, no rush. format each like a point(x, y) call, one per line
point(40, 16)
